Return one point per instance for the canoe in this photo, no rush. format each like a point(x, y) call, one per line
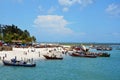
point(18, 63)
point(53, 58)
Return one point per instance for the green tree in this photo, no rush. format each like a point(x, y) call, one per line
point(33, 39)
point(12, 32)
point(0, 37)
point(8, 38)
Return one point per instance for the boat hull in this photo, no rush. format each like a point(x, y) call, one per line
point(103, 55)
point(83, 55)
point(53, 58)
point(9, 63)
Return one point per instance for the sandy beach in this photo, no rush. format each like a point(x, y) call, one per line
point(30, 53)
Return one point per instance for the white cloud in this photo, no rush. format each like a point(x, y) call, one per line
point(52, 24)
point(55, 28)
point(113, 9)
point(67, 3)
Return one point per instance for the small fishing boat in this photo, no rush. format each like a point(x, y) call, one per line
point(102, 48)
point(83, 55)
point(103, 54)
point(53, 57)
point(18, 63)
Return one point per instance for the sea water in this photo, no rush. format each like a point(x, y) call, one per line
point(70, 68)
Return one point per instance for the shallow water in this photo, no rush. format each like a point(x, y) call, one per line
point(70, 68)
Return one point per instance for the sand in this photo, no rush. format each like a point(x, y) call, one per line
point(30, 53)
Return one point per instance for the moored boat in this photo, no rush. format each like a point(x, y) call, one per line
point(53, 57)
point(83, 55)
point(102, 48)
point(18, 63)
point(103, 54)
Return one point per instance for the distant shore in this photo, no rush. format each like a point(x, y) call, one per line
point(87, 43)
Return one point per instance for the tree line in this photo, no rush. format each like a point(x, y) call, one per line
point(10, 33)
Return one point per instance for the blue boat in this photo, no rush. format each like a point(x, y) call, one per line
point(18, 63)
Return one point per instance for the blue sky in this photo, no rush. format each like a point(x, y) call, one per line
point(65, 20)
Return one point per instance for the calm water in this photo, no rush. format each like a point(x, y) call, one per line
point(70, 68)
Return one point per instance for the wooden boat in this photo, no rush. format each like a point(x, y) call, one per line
point(18, 63)
point(81, 48)
point(103, 54)
point(53, 57)
point(83, 55)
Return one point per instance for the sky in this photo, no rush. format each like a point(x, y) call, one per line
point(65, 20)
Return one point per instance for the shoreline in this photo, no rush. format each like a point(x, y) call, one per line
point(29, 53)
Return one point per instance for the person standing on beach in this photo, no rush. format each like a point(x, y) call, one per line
point(39, 54)
point(5, 55)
